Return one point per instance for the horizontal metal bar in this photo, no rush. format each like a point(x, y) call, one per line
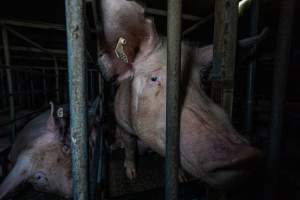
point(34, 24)
point(37, 50)
point(38, 57)
point(17, 67)
point(21, 36)
point(159, 12)
point(33, 92)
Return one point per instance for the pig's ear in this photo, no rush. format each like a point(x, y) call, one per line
point(128, 36)
point(51, 125)
point(203, 58)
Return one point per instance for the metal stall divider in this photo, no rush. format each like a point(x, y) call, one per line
point(251, 70)
point(77, 74)
point(58, 100)
point(98, 163)
point(9, 83)
point(173, 99)
point(281, 61)
point(225, 37)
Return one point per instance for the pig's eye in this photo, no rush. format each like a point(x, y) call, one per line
point(40, 179)
point(154, 78)
point(66, 149)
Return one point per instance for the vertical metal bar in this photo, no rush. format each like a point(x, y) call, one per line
point(251, 70)
point(173, 99)
point(91, 84)
point(27, 83)
point(281, 61)
point(2, 89)
point(56, 81)
point(45, 87)
point(77, 94)
point(32, 95)
point(225, 35)
point(9, 83)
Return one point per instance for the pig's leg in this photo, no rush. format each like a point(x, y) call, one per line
point(130, 145)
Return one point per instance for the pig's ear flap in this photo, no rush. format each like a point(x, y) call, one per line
point(51, 125)
point(127, 37)
point(203, 58)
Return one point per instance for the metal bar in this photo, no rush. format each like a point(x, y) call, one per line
point(9, 83)
point(19, 35)
point(26, 92)
point(173, 99)
point(19, 67)
point(91, 85)
point(225, 36)
point(56, 80)
point(97, 162)
point(281, 61)
point(27, 83)
point(45, 86)
point(34, 24)
point(2, 89)
point(36, 50)
point(251, 70)
point(159, 12)
point(37, 57)
point(99, 148)
point(32, 97)
point(77, 94)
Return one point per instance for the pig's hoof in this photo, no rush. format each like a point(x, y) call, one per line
point(182, 176)
point(130, 169)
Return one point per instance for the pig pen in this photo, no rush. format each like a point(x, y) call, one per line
point(34, 71)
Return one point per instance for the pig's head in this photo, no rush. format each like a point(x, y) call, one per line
point(210, 147)
point(45, 162)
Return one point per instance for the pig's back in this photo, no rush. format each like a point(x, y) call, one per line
point(34, 129)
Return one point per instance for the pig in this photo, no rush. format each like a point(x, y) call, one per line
point(41, 153)
point(40, 157)
point(134, 54)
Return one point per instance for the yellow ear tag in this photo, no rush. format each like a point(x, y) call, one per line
point(119, 50)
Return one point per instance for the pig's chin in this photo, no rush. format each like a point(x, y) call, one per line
point(225, 178)
point(229, 176)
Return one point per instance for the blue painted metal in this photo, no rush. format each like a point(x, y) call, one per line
point(77, 94)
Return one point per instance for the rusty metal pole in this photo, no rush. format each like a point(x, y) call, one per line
point(225, 37)
point(77, 94)
point(9, 82)
point(281, 61)
point(173, 99)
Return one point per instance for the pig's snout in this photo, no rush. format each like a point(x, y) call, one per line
point(235, 168)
